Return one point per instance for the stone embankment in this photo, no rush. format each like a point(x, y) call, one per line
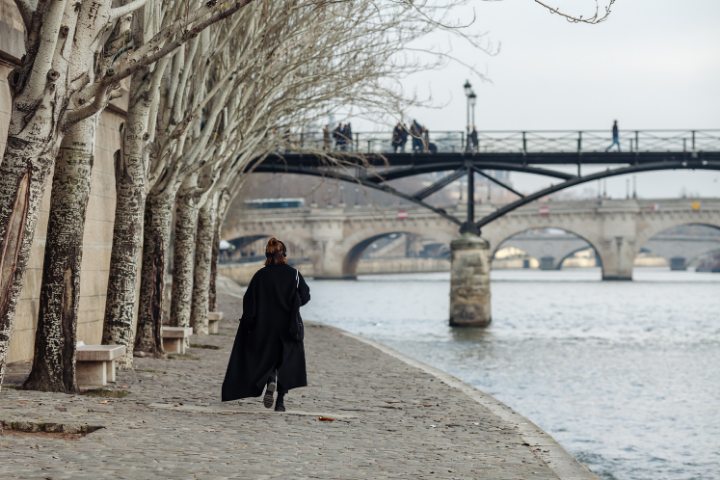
point(242, 273)
point(393, 418)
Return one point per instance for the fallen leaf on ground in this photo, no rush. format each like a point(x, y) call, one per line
point(326, 419)
point(105, 402)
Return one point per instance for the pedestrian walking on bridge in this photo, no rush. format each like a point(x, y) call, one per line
point(616, 137)
point(265, 354)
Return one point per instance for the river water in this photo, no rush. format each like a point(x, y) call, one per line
point(625, 375)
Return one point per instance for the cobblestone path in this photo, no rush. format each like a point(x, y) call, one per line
point(392, 421)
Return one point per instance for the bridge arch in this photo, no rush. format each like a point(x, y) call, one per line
point(546, 260)
point(292, 239)
point(676, 258)
point(571, 254)
point(354, 246)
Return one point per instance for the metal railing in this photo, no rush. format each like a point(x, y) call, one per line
point(510, 141)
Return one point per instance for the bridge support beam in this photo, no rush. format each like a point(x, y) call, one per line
point(678, 263)
point(548, 263)
point(617, 257)
point(470, 282)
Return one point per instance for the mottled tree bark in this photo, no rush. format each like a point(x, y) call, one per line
point(130, 183)
point(158, 215)
point(53, 367)
point(204, 247)
point(186, 217)
point(222, 206)
point(214, 260)
point(23, 172)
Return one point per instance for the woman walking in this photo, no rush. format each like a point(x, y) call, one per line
point(265, 354)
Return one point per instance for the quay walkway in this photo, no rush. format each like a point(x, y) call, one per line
point(394, 418)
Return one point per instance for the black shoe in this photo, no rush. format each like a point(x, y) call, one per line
point(268, 399)
point(279, 406)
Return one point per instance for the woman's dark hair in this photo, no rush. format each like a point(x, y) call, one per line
point(275, 252)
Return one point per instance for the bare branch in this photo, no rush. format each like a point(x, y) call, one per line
point(26, 12)
point(168, 49)
point(126, 9)
point(591, 20)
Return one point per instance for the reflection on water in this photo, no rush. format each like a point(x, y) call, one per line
point(625, 375)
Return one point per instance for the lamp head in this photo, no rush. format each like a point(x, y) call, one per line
point(473, 98)
point(467, 87)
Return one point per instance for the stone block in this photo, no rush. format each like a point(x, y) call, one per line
point(91, 374)
point(25, 426)
point(174, 339)
point(52, 427)
point(71, 428)
point(95, 364)
point(214, 321)
point(89, 278)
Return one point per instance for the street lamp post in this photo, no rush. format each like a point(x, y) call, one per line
point(468, 92)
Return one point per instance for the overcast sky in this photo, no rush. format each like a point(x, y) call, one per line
point(653, 64)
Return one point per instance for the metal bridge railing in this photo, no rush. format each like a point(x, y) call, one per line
point(507, 141)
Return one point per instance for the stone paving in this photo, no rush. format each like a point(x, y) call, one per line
point(392, 421)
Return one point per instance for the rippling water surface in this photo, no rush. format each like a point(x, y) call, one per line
point(625, 375)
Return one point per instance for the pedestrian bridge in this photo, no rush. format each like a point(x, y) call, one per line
point(335, 238)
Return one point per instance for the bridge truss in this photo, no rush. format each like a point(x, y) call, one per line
point(539, 153)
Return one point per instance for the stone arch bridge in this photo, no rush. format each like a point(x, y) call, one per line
point(336, 237)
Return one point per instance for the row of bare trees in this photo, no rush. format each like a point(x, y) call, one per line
point(206, 98)
point(213, 88)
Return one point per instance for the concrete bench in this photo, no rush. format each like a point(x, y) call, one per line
point(213, 321)
point(174, 338)
point(95, 364)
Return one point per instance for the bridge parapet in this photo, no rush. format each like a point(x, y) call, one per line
point(511, 141)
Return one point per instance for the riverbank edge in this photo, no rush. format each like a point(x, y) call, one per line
point(557, 459)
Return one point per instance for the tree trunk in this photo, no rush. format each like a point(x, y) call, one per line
point(204, 249)
point(186, 217)
point(130, 183)
point(222, 206)
point(38, 89)
point(53, 367)
point(158, 213)
point(23, 172)
point(214, 260)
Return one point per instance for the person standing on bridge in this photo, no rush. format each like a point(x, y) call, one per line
point(416, 133)
point(474, 139)
point(616, 137)
point(396, 141)
point(338, 135)
point(403, 136)
point(265, 355)
point(348, 137)
point(326, 137)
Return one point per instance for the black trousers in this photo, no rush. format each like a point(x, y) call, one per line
point(280, 388)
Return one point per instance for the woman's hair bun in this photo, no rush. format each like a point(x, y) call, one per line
point(275, 252)
point(272, 247)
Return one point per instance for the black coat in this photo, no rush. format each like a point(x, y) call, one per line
point(263, 336)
